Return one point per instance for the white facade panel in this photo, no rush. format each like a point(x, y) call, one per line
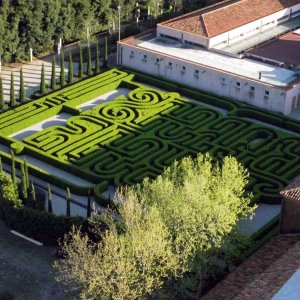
point(202, 77)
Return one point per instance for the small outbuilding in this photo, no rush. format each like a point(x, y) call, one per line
point(290, 213)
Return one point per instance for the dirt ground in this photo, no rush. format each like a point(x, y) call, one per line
point(26, 269)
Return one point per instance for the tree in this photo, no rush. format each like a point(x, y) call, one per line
point(68, 212)
point(33, 195)
point(13, 169)
point(43, 82)
point(50, 209)
point(53, 75)
point(97, 63)
point(22, 88)
point(177, 226)
point(89, 208)
point(71, 69)
point(26, 174)
point(2, 103)
point(62, 69)
point(89, 63)
point(7, 190)
point(24, 187)
point(12, 102)
point(80, 66)
point(124, 266)
point(105, 52)
point(1, 166)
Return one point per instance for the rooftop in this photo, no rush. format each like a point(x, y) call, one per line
point(227, 15)
point(243, 67)
point(292, 191)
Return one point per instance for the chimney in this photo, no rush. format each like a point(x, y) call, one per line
point(259, 75)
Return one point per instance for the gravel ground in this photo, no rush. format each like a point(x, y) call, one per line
point(26, 269)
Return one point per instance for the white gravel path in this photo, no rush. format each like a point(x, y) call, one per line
point(57, 120)
point(103, 98)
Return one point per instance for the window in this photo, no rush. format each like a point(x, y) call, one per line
point(157, 60)
point(144, 58)
point(170, 64)
point(183, 68)
point(196, 73)
point(252, 88)
point(267, 93)
point(131, 54)
point(238, 84)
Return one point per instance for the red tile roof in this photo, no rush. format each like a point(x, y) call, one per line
point(227, 15)
point(292, 191)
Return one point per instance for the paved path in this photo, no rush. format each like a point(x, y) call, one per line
point(26, 269)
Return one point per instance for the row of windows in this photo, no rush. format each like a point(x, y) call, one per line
point(196, 72)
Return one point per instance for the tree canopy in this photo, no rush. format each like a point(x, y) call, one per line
point(177, 227)
point(39, 24)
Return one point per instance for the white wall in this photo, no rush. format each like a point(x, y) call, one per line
point(251, 28)
point(212, 80)
point(292, 95)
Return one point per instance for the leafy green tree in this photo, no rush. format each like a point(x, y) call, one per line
point(80, 66)
point(2, 103)
point(8, 191)
point(62, 69)
point(89, 63)
point(124, 266)
point(22, 87)
point(50, 209)
point(71, 69)
point(97, 63)
point(68, 213)
point(26, 174)
point(12, 102)
point(157, 239)
point(43, 82)
point(53, 74)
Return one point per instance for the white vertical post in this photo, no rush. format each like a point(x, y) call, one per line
point(118, 45)
point(59, 46)
point(30, 54)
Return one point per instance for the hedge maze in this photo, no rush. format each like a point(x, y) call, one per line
point(124, 140)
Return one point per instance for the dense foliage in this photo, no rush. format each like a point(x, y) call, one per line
point(178, 226)
point(40, 23)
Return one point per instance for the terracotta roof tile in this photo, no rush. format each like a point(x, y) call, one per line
point(217, 19)
point(292, 191)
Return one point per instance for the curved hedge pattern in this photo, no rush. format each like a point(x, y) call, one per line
point(122, 141)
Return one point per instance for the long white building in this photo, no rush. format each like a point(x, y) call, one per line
point(206, 49)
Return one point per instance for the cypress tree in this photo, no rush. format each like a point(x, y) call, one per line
point(80, 66)
point(105, 52)
point(12, 91)
point(13, 169)
point(71, 69)
point(89, 209)
point(24, 187)
point(22, 88)
point(43, 82)
point(89, 63)
point(50, 209)
point(97, 63)
point(2, 103)
point(1, 167)
point(26, 174)
point(33, 195)
point(53, 75)
point(68, 202)
point(62, 69)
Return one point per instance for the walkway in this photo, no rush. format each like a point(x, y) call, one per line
point(26, 269)
point(263, 274)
